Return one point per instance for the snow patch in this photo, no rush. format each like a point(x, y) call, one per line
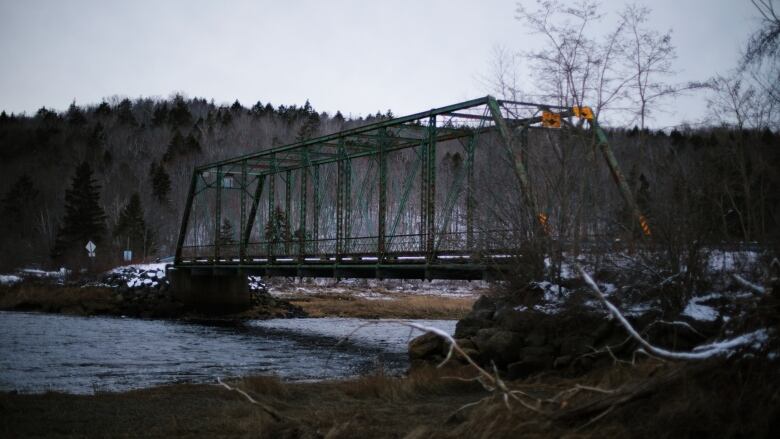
point(702, 313)
point(9, 279)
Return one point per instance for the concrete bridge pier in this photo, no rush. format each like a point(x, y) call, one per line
point(211, 290)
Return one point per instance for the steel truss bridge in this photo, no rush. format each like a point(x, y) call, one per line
point(398, 198)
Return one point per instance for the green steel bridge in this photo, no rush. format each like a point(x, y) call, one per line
point(425, 196)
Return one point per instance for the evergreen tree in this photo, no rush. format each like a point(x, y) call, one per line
point(124, 113)
point(180, 115)
point(226, 233)
point(84, 219)
point(160, 115)
point(277, 229)
point(161, 182)
point(75, 115)
point(175, 146)
point(17, 204)
point(103, 109)
point(131, 228)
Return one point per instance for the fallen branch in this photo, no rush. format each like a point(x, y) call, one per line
point(702, 352)
point(274, 414)
point(754, 288)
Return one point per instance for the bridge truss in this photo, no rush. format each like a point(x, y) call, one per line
point(398, 198)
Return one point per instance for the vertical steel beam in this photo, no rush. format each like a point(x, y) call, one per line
point(431, 197)
point(287, 210)
point(470, 201)
point(271, 205)
point(340, 182)
point(315, 233)
point(250, 222)
point(382, 214)
point(185, 220)
point(302, 208)
point(218, 214)
point(347, 203)
point(423, 194)
point(242, 243)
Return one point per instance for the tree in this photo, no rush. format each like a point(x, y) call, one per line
point(179, 115)
point(124, 113)
point(764, 44)
point(649, 55)
point(131, 229)
point(161, 182)
point(175, 146)
point(75, 115)
point(17, 204)
point(226, 233)
point(277, 229)
point(84, 219)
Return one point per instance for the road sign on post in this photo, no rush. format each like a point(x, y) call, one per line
point(91, 249)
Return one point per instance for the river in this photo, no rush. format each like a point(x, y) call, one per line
point(43, 352)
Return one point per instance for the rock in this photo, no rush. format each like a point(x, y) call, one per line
point(562, 361)
point(503, 347)
point(427, 347)
point(512, 320)
point(576, 345)
point(468, 326)
point(536, 338)
point(525, 367)
point(484, 303)
point(482, 314)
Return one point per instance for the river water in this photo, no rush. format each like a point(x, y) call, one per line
point(42, 352)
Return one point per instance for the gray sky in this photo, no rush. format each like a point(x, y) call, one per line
point(354, 56)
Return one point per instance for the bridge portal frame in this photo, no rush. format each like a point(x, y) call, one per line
point(463, 121)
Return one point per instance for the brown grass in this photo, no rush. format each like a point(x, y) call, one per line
point(401, 306)
point(71, 300)
point(717, 399)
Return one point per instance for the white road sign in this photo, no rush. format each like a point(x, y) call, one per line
point(91, 247)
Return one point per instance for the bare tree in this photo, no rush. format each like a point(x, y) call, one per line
point(649, 55)
point(574, 68)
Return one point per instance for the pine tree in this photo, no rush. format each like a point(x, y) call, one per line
point(103, 109)
point(175, 146)
point(84, 219)
point(226, 233)
point(17, 204)
point(277, 229)
point(180, 115)
point(131, 228)
point(160, 115)
point(124, 113)
point(75, 115)
point(161, 182)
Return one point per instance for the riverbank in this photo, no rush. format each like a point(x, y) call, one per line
point(88, 300)
point(647, 399)
point(323, 301)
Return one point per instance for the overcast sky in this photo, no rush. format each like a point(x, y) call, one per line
point(355, 56)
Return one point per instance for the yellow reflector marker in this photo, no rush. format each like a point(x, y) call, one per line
point(551, 120)
point(644, 225)
point(583, 112)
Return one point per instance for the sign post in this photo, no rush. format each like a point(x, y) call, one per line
point(91, 249)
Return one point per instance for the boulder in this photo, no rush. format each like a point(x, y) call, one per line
point(427, 347)
point(503, 347)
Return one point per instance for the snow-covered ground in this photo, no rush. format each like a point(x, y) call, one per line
point(374, 289)
point(138, 275)
point(9, 279)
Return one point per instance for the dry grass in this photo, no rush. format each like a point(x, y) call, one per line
point(400, 306)
point(71, 300)
point(680, 401)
